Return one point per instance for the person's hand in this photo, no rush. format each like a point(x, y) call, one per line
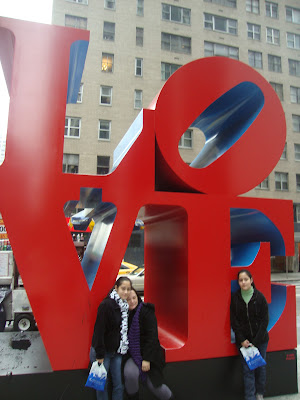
point(145, 366)
point(246, 343)
point(100, 360)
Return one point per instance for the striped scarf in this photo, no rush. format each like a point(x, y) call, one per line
point(124, 324)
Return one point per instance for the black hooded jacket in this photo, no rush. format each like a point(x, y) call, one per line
point(149, 343)
point(249, 321)
point(107, 336)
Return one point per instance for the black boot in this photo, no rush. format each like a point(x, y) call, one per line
point(132, 397)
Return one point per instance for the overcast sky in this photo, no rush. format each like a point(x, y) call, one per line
point(29, 10)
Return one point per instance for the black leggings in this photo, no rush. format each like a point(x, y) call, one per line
point(131, 375)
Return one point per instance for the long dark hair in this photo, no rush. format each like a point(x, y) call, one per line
point(119, 282)
point(122, 279)
point(247, 272)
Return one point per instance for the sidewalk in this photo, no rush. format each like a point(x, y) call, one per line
point(290, 277)
point(294, 279)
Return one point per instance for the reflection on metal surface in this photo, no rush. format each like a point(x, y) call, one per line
point(103, 215)
point(249, 226)
point(226, 120)
point(128, 140)
point(104, 218)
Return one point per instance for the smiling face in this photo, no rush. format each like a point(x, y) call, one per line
point(245, 281)
point(124, 289)
point(132, 300)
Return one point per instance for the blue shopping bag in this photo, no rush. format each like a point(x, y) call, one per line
point(97, 376)
point(252, 357)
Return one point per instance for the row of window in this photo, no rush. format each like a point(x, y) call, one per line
point(183, 15)
point(106, 96)
point(284, 155)
point(281, 182)
point(73, 128)
point(71, 164)
point(182, 44)
point(255, 59)
point(107, 91)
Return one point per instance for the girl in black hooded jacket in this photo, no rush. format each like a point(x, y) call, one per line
point(145, 359)
point(249, 320)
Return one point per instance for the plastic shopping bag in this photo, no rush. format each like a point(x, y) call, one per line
point(252, 357)
point(97, 376)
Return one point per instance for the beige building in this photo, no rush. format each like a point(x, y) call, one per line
point(135, 45)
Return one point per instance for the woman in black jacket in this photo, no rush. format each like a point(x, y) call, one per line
point(145, 360)
point(110, 339)
point(249, 320)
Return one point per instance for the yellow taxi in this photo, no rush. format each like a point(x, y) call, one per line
point(126, 268)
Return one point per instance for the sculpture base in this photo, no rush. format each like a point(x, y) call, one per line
point(218, 378)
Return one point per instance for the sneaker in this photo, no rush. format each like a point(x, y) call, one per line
point(259, 396)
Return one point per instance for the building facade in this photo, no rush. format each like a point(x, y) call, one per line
point(135, 45)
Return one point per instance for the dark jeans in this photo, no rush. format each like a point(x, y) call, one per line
point(254, 381)
point(113, 362)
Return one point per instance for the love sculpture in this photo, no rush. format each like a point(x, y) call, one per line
point(198, 230)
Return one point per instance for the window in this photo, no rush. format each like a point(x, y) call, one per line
point(72, 127)
point(106, 95)
point(110, 4)
point(281, 181)
point(104, 129)
point(284, 154)
point(273, 36)
point(274, 63)
point(79, 1)
point(75, 22)
point(227, 3)
point(139, 36)
point(252, 6)
point(295, 94)
point(80, 94)
point(296, 123)
point(278, 87)
point(297, 211)
point(138, 99)
point(186, 140)
point(176, 14)
point(292, 15)
point(297, 151)
point(178, 44)
point(71, 163)
point(294, 67)
point(253, 31)
point(298, 182)
point(255, 59)
point(215, 49)
point(138, 67)
point(167, 70)
point(102, 165)
point(107, 62)
point(293, 40)
point(264, 184)
point(221, 24)
point(109, 31)
point(271, 9)
point(140, 8)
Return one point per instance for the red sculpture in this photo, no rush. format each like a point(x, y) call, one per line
point(187, 210)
